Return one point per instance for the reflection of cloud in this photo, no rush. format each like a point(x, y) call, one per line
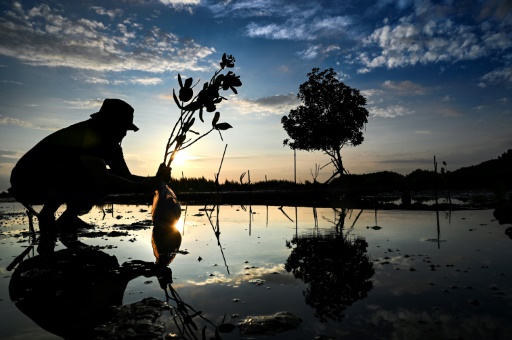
point(275, 274)
point(218, 278)
point(417, 324)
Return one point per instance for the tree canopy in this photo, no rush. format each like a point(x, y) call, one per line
point(332, 115)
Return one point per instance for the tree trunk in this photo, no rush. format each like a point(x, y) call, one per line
point(338, 164)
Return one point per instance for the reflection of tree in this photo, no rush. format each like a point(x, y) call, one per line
point(337, 271)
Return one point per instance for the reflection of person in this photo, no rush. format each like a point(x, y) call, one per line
point(70, 292)
point(70, 167)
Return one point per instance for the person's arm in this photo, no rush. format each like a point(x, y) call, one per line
point(114, 183)
point(119, 167)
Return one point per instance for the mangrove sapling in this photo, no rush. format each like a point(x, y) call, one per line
point(166, 208)
point(206, 99)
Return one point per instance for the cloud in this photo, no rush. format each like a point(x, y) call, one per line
point(414, 40)
point(110, 13)
point(310, 53)
point(500, 75)
point(264, 9)
point(404, 87)
point(181, 5)
point(7, 156)
point(85, 104)
point(299, 28)
point(392, 111)
point(273, 105)
point(451, 112)
point(10, 121)
point(496, 8)
point(42, 36)
point(11, 82)
point(180, 2)
point(423, 132)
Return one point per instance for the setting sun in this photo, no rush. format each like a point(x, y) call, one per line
point(180, 158)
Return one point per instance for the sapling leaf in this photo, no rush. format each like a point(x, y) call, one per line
point(192, 121)
point(211, 107)
point(193, 106)
point(188, 82)
point(201, 114)
point(176, 99)
point(226, 328)
point(219, 79)
point(223, 126)
point(216, 118)
point(194, 132)
point(179, 80)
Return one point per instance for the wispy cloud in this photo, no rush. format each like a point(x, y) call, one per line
point(404, 87)
point(429, 39)
point(23, 123)
point(389, 111)
point(297, 28)
point(43, 36)
point(273, 105)
point(503, 74)
point(110, 13)
point(85, 104)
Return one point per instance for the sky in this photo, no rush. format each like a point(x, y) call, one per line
point(437, 76)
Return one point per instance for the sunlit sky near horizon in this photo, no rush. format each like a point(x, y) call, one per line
point(437, 76)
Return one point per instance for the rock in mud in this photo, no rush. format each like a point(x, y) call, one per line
point(269, 324)
point(138, 320)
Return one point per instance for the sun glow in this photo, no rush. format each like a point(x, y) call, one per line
point(180, 158)
point(180, 225)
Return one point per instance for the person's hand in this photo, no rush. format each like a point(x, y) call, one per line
point(164, 173)
point(151, 184)
point(164, 276)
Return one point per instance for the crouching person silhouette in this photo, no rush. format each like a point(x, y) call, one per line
point(70, 167)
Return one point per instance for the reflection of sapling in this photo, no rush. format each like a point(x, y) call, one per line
point(206, 99)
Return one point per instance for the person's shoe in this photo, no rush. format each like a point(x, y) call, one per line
point(47, 224)
point(71, 222)
point(46, 243)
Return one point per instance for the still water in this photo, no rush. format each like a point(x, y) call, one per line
point(419, 275)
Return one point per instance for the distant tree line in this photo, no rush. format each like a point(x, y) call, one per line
point(492, 175)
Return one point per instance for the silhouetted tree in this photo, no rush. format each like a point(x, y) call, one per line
point(337, 271)
point(332, 116)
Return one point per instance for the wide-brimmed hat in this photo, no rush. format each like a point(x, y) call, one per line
point(116, 111)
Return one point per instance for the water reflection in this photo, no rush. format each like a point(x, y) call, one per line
point(70, 292)
point(336, 269)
